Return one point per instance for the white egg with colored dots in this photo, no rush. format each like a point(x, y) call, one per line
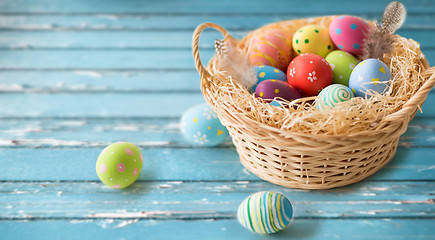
point(201, 126)
point(119, 164)
point(370, 75)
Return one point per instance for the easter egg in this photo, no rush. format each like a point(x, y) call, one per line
point(270, 89)
point(332, 95)
point(201, 126)
point(119, 164)
point(370, 74)
point(271, 48)
point(265, 212)
point(309, 73)
point(342, 64)
point(312, 39)
point(348, 33)
point(265, 72)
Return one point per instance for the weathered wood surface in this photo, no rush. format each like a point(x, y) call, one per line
point(208, 200)
point(316, 229)
point(77, 75)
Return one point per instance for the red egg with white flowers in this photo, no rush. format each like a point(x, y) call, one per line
point(309, 73)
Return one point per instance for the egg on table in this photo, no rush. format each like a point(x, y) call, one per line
point(332, 95)
point(312, 39)
point(201, 126)
point(265, 72)
point(265, 212)
point(370, 74)
point(342, 64)
point(309, 73)
point(271, 48)
point(348, 33)
point(119, 164)
point(270, 89)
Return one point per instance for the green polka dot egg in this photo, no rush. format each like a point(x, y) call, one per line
point(342, 64)
point(119, 164)
point(312, 39)
point(265, 212)
point(333, 95)
point(201, 126)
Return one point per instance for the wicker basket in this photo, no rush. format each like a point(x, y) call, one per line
point(303, 160)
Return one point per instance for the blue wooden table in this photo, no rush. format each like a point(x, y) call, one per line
point(77, 75)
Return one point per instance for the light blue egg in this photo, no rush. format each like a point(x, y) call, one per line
point(201, 126)
point(370, 74)
point(265, 72)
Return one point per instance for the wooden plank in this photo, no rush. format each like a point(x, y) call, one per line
point(198, 6)
point(313, 229)
point(98, 105)
point(159, 59)
point(137, 22)
point(208, 200)
point(158, 131)
point(127, 60)
point(141, 40)
point(99, 81)
point(109, 104)
point(165, 163)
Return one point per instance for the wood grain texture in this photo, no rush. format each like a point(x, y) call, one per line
point(102, 81)
point(198, 200)
point(162, 22)
point(199, 6)
point(144, 131)
point(313, 229)
point(166, 163)
point(98, 105)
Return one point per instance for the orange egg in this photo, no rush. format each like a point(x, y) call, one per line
point(271, 48)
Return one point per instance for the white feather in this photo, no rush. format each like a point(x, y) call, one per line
point(235, 62)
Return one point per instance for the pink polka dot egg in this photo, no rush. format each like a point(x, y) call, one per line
point(119, 164)
point(348, 33)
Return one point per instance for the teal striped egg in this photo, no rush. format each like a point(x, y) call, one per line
point(332, 95)
point(265, 212)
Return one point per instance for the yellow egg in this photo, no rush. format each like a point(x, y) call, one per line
point(312, 39)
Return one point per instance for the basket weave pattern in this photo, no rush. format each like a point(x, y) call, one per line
point(303, 160)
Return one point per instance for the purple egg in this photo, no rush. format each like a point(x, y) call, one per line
point(270, 89)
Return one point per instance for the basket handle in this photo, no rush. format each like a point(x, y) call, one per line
point(417, 100)
point(195, 41)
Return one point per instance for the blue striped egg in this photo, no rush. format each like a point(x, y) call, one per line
point(265, 212)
